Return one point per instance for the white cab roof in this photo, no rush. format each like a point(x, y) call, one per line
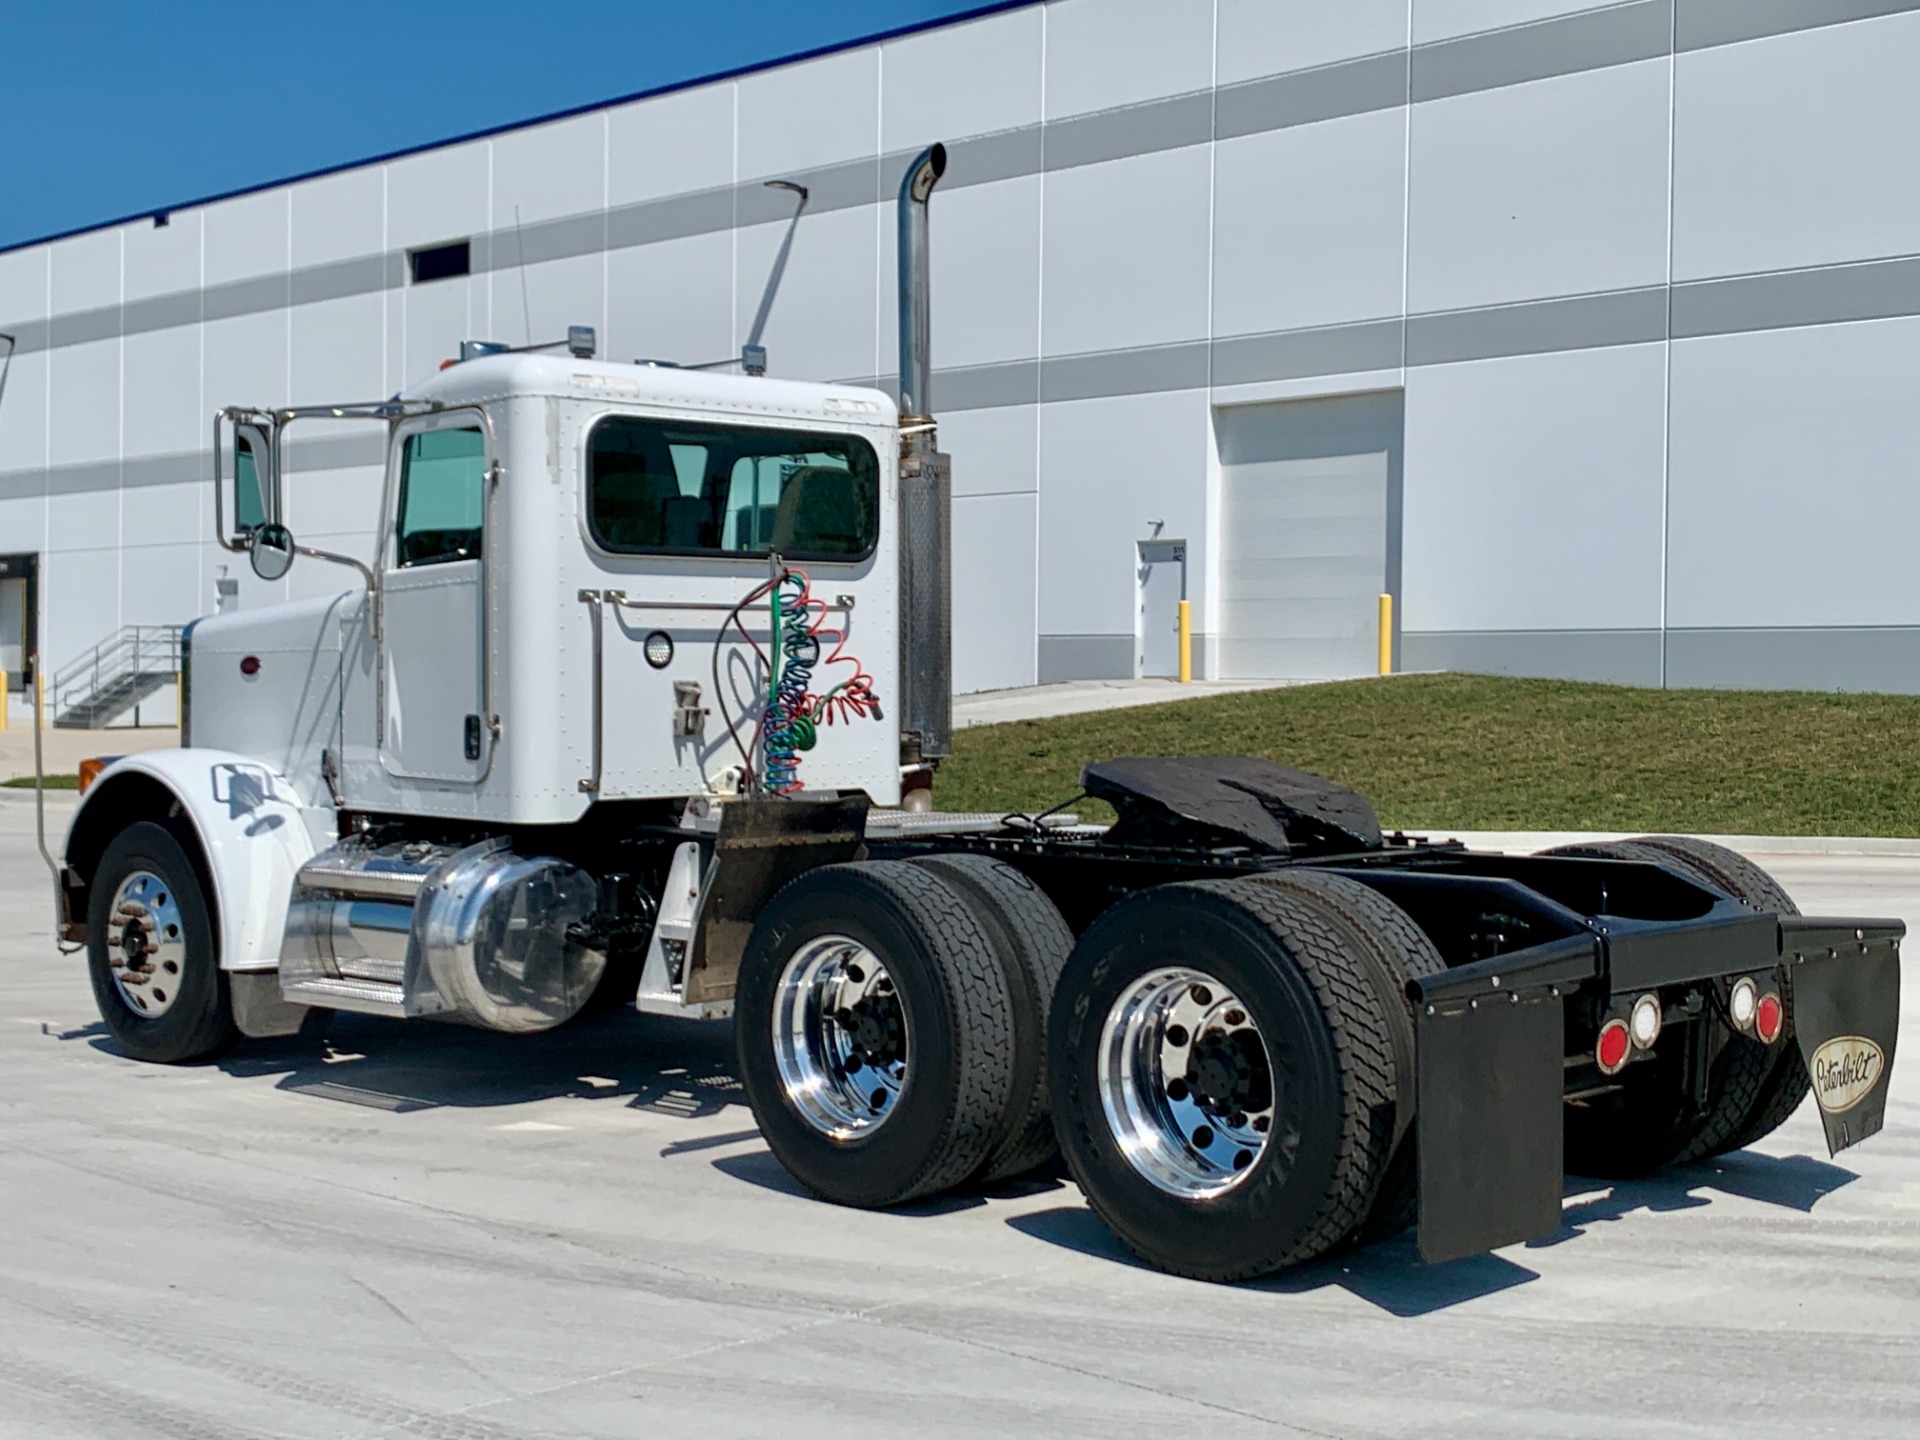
point(495, 377)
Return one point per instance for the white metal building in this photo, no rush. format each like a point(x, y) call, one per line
point(1590, 332)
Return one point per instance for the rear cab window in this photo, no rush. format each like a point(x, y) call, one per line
point(673, 487)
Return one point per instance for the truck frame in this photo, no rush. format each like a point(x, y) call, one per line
point(591, 727)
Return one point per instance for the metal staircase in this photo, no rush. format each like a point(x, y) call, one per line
point(117, 674)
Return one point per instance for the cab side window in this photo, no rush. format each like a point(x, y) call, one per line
point(443, 479)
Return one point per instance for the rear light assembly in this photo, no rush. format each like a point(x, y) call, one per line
point(1614, 1047)
point(1769, 1018)
point(1643, 1022)
point(1742, 1003)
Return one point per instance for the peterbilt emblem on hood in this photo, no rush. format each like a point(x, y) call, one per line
point(1845, 1069)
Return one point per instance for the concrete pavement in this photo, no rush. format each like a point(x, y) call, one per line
point(415, 1230)
point(1079, 697)
point(65, 749)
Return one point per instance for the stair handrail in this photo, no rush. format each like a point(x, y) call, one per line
point(131, 651)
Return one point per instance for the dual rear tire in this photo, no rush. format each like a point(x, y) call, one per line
point(1228, 1064)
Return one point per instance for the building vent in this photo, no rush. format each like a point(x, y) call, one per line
point(441, 262)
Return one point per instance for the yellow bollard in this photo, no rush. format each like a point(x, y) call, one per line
point(1386, 634)
point(1186, 642)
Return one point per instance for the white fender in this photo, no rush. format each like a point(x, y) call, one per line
point(253, 831)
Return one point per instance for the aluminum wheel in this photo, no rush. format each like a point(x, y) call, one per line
point(839, 1037)
point(146, 944)
point(1186, 1082)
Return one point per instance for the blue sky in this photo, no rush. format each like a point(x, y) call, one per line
point(118, 107)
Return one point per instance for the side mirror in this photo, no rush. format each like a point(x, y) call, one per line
point(254, 483)
point(270, 550)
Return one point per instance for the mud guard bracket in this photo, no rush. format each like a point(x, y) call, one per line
point(761, 845)
point(1846, 1017)
point(1490, 1039)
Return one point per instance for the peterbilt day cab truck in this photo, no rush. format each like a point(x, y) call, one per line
point(638, 700)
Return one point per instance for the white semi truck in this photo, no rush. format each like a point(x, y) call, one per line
point(639, 698)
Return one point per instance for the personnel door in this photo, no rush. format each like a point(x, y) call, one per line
point(1163, 585)
point(433, 603)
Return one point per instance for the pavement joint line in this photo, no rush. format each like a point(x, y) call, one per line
point(1124, 1383)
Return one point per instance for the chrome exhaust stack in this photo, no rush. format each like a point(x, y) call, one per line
point(926, 507)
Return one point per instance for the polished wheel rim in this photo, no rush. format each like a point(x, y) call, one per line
point(1186, 1083)
point(840, 1037)
point(146, 944)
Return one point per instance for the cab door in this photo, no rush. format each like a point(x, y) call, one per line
point(433, 602)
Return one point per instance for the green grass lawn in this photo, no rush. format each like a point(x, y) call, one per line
point(1484, 753)
point(54, 782)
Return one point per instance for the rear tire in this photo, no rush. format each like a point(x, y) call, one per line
point(151, 951)
point(875, 1033)
point(1648, 1123)
point(1032, 943)
point(1398, 951)
point(1272, 979)
point(1787, 1083)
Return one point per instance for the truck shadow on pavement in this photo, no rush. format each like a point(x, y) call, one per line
point(1393, 1277)
point(661, 1064)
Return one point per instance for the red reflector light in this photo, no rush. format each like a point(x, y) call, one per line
point(1613, 1048)
point(1768, 1017)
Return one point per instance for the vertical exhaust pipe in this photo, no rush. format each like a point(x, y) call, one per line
point(926, 507)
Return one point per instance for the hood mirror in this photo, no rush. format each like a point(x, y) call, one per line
point(270, 550)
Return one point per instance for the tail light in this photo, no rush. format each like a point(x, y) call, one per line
point(1615, 1044)
point(1744, 1000)
point(1644, 1022)
point(1769, 1018)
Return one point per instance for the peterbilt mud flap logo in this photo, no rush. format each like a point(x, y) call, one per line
point(1845, 1070)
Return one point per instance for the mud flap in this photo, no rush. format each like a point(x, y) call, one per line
point(1846, 1017)
point(761, 845)
point(1490, 1039)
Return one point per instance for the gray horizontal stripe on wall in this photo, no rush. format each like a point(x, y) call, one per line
point(1305, 97)
point(180, 467)
point(980, 387)
point(1538, 327)
point(1085, 657)
point(1590, 40)
point(1146, 371)
point(1868, 658)
point(1132, 130)
point(1298, 354)
point(1831, 295)
point(1614, 657)
point(1701, 24)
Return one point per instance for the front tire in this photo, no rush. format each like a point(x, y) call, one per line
point(151, 953)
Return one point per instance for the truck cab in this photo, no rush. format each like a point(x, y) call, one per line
point(552, 616)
